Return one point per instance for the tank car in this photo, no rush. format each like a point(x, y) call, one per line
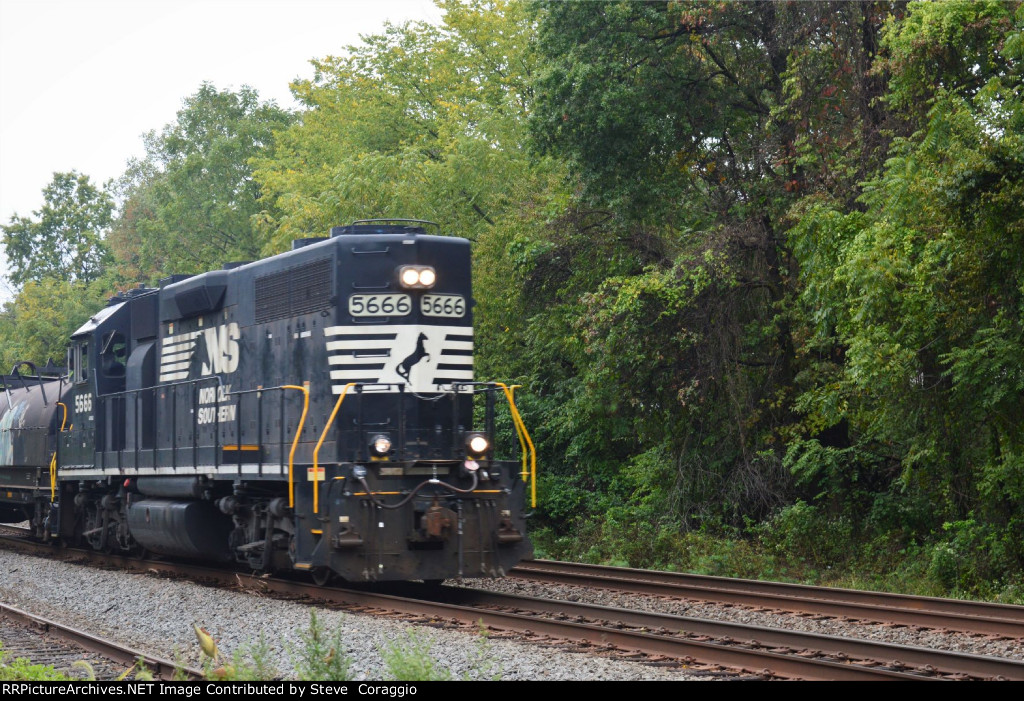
point(312, 411)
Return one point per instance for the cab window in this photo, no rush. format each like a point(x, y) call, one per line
point(114, 354)
point(81, 363)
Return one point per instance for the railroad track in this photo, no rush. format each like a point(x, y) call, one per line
point(842, 658)
point(46, 642)
point(927, 612)
point(35, 642)
point(660, 638)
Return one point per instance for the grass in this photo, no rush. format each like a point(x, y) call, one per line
point(21, 669)
point(320, 656)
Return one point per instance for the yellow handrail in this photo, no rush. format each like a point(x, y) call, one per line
point(53, 460)
point(524, 439)
point(519, 434)
point(295, 441)
point(316, 450)
point(521, 429)
point(53, 477)
point(520, 425)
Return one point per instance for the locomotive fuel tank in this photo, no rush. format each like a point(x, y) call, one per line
point(192, 529)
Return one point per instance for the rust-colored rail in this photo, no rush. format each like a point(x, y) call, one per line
point(929, 612)
point(760, 661)
point(160, 668)
point(924, 661)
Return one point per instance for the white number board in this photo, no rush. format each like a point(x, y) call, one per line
point(443, 305)
point(379, 305)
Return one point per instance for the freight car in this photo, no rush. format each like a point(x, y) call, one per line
point(310, 411)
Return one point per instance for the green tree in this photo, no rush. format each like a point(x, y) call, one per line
point(191, 202)
point(37, 323)
point(418, 121)
point(692, 128)
point(66, 241)
point(921, 290)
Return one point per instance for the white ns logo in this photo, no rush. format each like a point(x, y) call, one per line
point(221, 349)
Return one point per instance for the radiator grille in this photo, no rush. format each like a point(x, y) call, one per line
point(299, 290)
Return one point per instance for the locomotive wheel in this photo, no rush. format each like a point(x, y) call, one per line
point(321, 575)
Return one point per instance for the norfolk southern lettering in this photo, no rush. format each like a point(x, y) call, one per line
point(222, 411)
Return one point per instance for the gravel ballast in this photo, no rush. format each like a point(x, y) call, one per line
point(155, 615)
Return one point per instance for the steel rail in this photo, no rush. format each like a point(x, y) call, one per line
point(775, 653)
point(765, 663)
point(161, 668)
point(929, 612)
point(927, 660)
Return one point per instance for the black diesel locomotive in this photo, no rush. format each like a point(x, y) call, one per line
point(310, 411)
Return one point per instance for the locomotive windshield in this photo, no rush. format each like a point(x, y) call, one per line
point(113, 356)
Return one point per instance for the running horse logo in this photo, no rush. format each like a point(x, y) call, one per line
point(405, 367)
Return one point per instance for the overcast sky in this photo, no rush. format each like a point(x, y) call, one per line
point(82, 80)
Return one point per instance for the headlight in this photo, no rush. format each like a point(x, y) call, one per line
point(477, 444)
point(417, 276)
point(410, 277)
point(381, 445)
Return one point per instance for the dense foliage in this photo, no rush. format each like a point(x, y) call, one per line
point(758, 264)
